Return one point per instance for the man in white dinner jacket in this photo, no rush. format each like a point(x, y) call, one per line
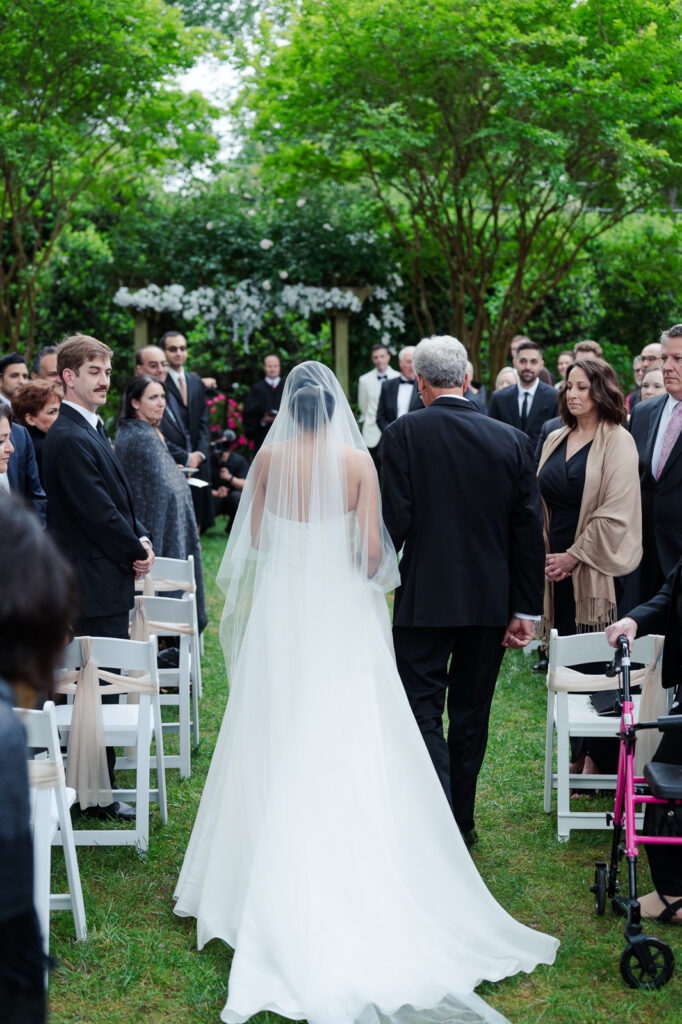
point(369, 390)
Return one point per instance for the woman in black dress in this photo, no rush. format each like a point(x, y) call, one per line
point(589, 481)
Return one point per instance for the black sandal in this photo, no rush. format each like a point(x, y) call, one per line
point(666, 916)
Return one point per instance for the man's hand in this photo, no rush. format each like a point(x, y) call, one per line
point(195, 459)
point(269, 417)
point(209, 382)
point(143, 565)
point(518, 633)
point(624, 627)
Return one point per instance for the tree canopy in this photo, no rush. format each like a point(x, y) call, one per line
point(501, 137)
point(87, 102)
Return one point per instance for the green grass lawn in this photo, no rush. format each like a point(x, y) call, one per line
point(140, 962)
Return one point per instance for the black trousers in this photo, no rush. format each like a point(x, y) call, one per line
point(113, 626)
point(462, 663)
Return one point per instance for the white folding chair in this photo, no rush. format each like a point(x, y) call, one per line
point(130, 725)
point(172, 574)
point(166, 616)
point(571, 713)
point(50, 818)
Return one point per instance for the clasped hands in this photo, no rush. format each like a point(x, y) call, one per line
point(143, 565)
point(559, 566)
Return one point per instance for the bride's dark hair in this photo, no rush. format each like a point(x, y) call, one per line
point(306, 403)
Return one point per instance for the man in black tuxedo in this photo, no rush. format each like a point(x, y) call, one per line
point(460, 493)
point(90, 508)
point(529, 403)
point(263, 401)
point(401, 394)
point(653, 422)
point(186, 395)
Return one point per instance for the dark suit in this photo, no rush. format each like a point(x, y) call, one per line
point(545, 430)
point(504, 406)
point(460, 493)
point(174, 430)
point(22, 471)
point(261, 398)
point(661, 499)
point(90, 514)
point(387, 410)
point(194, 419)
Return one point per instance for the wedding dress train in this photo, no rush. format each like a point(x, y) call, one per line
point(324, 850)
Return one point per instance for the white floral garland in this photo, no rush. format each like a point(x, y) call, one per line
point(246, 305)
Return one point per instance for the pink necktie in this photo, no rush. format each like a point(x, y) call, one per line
point(672, 432)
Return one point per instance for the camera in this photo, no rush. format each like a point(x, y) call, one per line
point(224, 442)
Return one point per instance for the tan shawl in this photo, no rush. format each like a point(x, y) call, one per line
point(608, 540)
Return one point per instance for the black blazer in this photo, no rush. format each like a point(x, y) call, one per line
point(460, 493)
point(261, 398)
point(661, 499)
point(194, 415)
point(22, 471)
point(90, 514)
point(387, 410)
point(504, 406)
point(663, 614)
point(174, 430)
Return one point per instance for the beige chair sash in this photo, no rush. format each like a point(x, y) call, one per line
point(152, 586)
point(45, 774)
point(654, 700)
point(86, 769)
point(141, 627)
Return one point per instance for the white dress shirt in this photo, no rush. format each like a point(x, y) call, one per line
point(91, 417)
point(405, 392)
point(666, 416)
point(175, 377)
point(527, 391)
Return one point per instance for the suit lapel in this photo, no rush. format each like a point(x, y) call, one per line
point(654, 423)
point(513, 400)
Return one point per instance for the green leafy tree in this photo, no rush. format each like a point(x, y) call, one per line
point(506, 135)
point(87, 104)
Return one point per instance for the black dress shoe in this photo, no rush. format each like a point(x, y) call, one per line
point(541, 665)
point(117, 811)
point(470, 838)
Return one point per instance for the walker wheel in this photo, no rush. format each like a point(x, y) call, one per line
point(647, 964)
point(599, 887)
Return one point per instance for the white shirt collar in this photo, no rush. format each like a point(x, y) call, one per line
point(91, 417)
point(461, 398)
point(528, 391)
point(5, 400)
point(175, 375)
point(272, 382)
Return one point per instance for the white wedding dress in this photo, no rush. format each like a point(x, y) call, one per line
point(324, 850)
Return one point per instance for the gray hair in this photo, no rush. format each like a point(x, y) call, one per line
point(37, 364)
point(407, 350)
point(673, 332)
point(441, 361)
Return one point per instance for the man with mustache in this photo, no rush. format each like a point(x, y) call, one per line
point(90, 509)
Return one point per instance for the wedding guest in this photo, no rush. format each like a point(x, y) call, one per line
point(6, 446)
point(586, 349)
point(369, 392)
point(263, 401)
point(475, 393)
point(634, 397)
point(506, 377)
point(159, 488)
point(592, 512)
point(653, 384)
point(152, 360)
point(563, 362)
point(36, 407)
point(656, 426)
point(400, 395)
point(229, 471)
point(527, 405)
point(188, 399)
point(13, 373)
point(35, 613)
point(44, 365)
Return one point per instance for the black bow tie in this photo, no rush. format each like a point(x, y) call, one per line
point(404, 380)
point(382, 376)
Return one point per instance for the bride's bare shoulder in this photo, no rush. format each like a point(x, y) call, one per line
point(357, 461)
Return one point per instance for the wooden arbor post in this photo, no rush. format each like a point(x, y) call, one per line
point(340, 347)
point(141, 331)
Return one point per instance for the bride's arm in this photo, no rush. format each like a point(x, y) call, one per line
point(367, 512)
point(260, 473)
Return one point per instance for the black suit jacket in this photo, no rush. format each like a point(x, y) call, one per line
point(194, 415)
point(663, 614)
point(22, 471)
point(661, 499)
point(504, 406)
point(174, 430)
point(460, 493)
point(387, 410)
point(261, 398)
point(90, 514)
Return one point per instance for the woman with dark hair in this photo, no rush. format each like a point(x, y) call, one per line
point(589, 480)
point(6, 446)
point(35, 611)
point(160, 491)
point(36, 406)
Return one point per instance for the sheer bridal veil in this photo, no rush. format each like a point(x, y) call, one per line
point(309, 515)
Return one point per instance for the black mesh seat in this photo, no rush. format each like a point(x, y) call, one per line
point(665, 780)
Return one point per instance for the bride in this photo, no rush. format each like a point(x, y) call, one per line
point(324, 851)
